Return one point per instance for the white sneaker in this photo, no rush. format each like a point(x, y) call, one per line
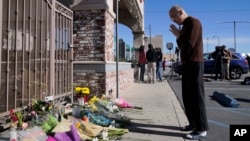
point(197, 135)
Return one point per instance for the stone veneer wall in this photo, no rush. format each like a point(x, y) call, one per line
point(93, 63)
point(126, 78)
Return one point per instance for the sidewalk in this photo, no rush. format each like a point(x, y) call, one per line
point(161, 116)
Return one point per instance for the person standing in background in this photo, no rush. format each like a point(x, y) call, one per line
point(159, 64)
point(226, 62)
point(219, 70)
point(142, 62)
point(151, 63)
point(164, 64)
point(248, 60)
point(190, 42)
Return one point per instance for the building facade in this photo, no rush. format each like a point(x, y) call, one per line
point(156, 41)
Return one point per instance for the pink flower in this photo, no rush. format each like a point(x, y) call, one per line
point(24, 125)
point(33, 113)
point(13, 115)
point(122, 103)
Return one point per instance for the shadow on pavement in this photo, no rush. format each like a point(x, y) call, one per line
point(154, 129)
point(243, 100)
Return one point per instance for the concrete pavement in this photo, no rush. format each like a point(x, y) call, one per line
point(161, 116)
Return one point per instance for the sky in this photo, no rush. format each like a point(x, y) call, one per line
point(217, 18)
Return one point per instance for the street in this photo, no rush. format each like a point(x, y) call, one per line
point(220, 117)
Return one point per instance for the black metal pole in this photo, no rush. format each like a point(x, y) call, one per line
point(117, 50)
point(150, 34)
point(234, 22)
point(234, 36)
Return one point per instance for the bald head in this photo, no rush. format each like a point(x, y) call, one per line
point(177, 14)
point(175, 8)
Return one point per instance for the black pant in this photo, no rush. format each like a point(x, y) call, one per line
point(142, 72)
point(193, 95)
point(219, 71)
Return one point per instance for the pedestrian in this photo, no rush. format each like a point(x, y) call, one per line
point(164, 64)
point(159, 64)
point(151, 63)
point(142, 62)
point(218, 55)
point(248, 60)
point(226, 62)
point(190, 42)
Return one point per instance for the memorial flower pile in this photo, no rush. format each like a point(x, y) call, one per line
point(98, 118)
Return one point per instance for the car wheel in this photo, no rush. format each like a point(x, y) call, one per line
point(235, 73)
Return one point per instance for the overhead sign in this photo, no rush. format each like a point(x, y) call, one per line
point(169, 46)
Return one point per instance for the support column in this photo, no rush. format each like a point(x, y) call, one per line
point(138, 38)
point(93, 31)
point(93, 38)
point(138, 41)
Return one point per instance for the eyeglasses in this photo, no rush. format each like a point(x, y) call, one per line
point(174, 15)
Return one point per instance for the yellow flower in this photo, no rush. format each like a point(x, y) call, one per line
point(85, 90)
point(78, 89)
point(93, 107)
point(78, 124)
point(92, 100)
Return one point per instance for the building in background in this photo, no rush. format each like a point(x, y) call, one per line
point(126, 52)
point(130, 52)
point(122, 50)
point(156, 41)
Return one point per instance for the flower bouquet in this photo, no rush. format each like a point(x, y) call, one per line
point(122, 103)
point(82, 94)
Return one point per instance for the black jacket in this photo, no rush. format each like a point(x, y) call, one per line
point(151, 55)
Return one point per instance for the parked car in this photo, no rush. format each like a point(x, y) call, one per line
point(238, 65)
